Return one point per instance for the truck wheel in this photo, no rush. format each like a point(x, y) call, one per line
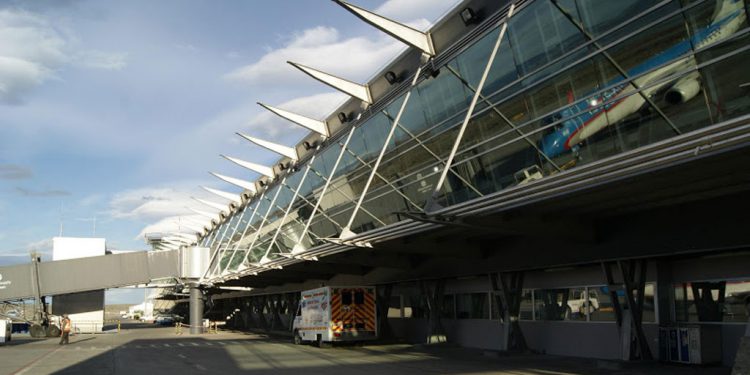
point(37, 331)
point(297, 338)
point(53, 331)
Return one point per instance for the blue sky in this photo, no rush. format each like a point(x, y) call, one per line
point(117, 110)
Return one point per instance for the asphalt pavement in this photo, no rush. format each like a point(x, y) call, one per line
point(146, 349)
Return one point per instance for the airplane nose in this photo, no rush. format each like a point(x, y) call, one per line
point(553, 145)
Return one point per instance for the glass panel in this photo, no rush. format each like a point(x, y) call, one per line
point(559, 304)
point(394, 309)
point(527, 305)
point(737, 302)
point(274, 220)
point(494, 309)
point(599, 17)
point(448, 310)
point(472, 306)
point(235, 261)
point(539, 34)
point(415, 306)
point(721, 82)
point(604, 309)
point(351, 175)
point(717, 301)
point(244, 216)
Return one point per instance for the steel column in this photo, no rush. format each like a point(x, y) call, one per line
point(196, 310)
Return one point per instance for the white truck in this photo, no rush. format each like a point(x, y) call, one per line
point(336, 314)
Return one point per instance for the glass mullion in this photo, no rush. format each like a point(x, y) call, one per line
point(259, 232)
point(218, 248)
point(226, 253)
point(294, 185)
point(341, 196)
point(236, 235)
point(286, 238)
point(240, 250)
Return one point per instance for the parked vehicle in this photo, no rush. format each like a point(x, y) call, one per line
point(164, 320)
point(336, 314)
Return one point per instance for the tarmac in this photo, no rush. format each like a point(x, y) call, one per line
point(145, 349)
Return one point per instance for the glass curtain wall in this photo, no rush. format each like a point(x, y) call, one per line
point(573, 82)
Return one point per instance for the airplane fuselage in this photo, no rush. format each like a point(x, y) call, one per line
point(586, 118)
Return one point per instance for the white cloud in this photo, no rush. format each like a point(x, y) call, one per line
point(42, 246)
point(216, 136)
point(34, 50)
point(31, 52)
point(102, 60)
point(355, 58)
point(352, 57)
point(416, 13)
point(187, 47)
point(150, 203)
point(171, 224)
point(165, 208)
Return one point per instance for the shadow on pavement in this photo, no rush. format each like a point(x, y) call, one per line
point(252, 354)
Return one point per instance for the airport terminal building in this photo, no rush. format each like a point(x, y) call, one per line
point(563, 176)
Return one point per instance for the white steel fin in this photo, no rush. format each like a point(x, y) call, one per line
point(193, 227)
point(220, 207)
point(247, 185)
point(262, 169)
point(317, 126)
point(175, 240)
point(208, 215)
point(361, 92)
point(187, 236)
point(194, 220)
point(232, 197)
point(406, 34)
point(282, 150)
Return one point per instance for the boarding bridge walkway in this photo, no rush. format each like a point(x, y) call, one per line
point(91, 273)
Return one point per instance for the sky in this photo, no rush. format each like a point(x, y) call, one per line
point(112, 113)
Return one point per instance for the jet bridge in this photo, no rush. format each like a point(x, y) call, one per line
point(99, 272)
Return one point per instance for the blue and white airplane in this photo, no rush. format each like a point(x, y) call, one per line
point(727, 19)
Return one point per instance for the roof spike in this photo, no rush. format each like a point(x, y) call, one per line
point(196, 228)
point(317, 126)
point(282, 150)
point(232, 197)
point(182, 234)
point(195, 221)
point(406, 34)
point(247, 185)
point(359, 91)
point(262, 169)
point(217, 206)
point(208, 215)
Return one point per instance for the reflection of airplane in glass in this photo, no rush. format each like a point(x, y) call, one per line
point(727, 18)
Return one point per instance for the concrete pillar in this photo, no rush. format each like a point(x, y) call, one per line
point(196, 310)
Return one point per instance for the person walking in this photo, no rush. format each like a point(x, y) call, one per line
point(65, 326)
